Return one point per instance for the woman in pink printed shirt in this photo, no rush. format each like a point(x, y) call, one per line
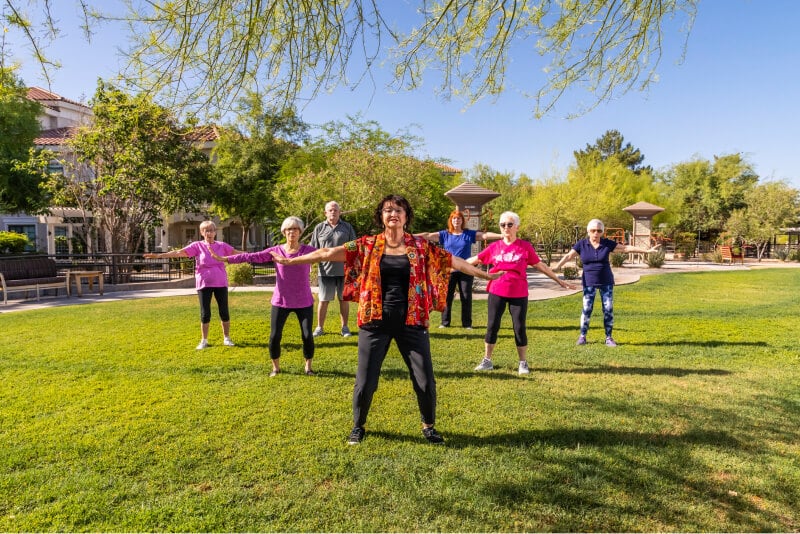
point(513, 256)
point(210, 278)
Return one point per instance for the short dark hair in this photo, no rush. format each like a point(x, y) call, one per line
point(394, 199)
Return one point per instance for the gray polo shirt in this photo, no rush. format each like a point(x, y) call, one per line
point(327, 236)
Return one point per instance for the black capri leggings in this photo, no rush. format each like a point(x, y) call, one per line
point(221, 294)
point(518, 308)
point(278, 321)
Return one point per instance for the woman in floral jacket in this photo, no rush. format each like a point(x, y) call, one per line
point(396, 279)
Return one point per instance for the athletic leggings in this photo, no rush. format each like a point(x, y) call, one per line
point(607, 301)
point(414, 346)
point(518, 308)
point(464, 284)
point(278, 320)
point(221, 294)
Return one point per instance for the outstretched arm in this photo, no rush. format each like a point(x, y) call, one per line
point(631, 248)
point(567, 257)
point(468, 268)
point(171, 254)
point(544, 269)
point(321, 254)
point(487, 236)
point(430, 236)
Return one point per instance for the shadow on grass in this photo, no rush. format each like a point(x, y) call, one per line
point(646, 371)
point(708, 343)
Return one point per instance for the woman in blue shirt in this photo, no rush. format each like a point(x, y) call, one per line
point(458, 241)
point(594, 252)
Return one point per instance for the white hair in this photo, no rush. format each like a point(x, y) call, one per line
point(595, 223)
point(331, 204)
point(510, 215)
point(291, 221)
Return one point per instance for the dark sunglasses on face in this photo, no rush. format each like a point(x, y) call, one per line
point(506, 225)
point(596, 230)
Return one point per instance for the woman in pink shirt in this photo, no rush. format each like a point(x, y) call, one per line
point(513, 256)
point(292, 291)
point(210, 278)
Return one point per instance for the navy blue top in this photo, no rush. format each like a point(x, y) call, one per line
point(458, 244)
point(596, 266)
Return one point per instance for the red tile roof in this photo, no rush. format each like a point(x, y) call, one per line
point(447, 169)
point(38, 94)
point(203, 134)
point(55, 137)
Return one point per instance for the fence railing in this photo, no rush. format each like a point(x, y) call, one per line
point(133, 268)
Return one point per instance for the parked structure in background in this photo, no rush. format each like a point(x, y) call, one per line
point(62, 230)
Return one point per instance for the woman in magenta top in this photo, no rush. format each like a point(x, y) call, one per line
point(292, 291)
point(513, 256)
point(210, 278)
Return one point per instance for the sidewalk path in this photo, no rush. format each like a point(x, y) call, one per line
point(540, 287)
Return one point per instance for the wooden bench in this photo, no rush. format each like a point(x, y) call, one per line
point(30, 273)
point(728, 255)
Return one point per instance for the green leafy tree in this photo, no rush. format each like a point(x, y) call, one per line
point(205, 53)
point(610, 145)
point(703, 194)
point(770, 207)
point(138, 164)
point(21, 167)
point(248, 158)
point(513, 190)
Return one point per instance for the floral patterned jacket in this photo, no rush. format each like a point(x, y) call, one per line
point(430, 274)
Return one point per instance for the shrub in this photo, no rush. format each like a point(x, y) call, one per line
point(617, 259)
point(570, 273)
point(782, 254)
point(655, 260)
point(240, 274)
point(12, 243)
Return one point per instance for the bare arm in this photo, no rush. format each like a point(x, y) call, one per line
point(544, 269)
point(631, 248)
point(487, 236)
point(321, 254)
point(567, 257)
point(429, 236)
point(171, 254)
point(468, 268)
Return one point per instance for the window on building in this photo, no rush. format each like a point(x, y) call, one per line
point(28, 230)
point(61, 239)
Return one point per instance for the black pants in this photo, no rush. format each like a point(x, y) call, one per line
point(278, 320)
point(219, 293)
point(414, 346)
point(518, 308)
point(464, 284)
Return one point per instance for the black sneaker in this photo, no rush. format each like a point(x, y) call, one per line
point(432, 435)
point(356, 436)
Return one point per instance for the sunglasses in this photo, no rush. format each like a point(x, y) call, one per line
point(506, 225)
point(596, 230)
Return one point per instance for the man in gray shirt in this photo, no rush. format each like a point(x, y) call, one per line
point(332, 232)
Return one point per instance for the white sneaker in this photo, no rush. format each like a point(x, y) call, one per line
point(203, 344)
point(318, 332)
point(228, 342)
point(523, 367)
point(485, 365)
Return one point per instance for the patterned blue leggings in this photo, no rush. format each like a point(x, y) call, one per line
point(607, 300)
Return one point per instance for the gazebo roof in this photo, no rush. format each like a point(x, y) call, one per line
point(643, 208)
point(471, 192)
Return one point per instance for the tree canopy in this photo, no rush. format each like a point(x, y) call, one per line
point(204, 54)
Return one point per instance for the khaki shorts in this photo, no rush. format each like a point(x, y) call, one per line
point(330, 287)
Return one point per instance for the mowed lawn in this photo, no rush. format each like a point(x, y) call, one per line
point(110, 420)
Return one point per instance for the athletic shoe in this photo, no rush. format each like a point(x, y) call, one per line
point(228, 343)
point(346, 332)
point(523, 367)
point(432, 436)
point(203, 344)
point(485, 365)
point(581, 340)
point(318, 331)
point(443, 326)
point(356, 436)
point(610, 342)
point(467, 328)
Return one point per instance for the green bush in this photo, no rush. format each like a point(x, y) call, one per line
point(617, 259)
point(570, 273)
point(12, 243)
point(782, 254)
point(240, 274)
point(655, 260)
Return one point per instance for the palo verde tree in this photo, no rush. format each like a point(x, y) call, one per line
point(203, 54)
point(140, 164)
point(248, 157)
point(21, 167)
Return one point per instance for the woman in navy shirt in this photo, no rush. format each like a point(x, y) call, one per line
point(458, 241)
point(594, 252)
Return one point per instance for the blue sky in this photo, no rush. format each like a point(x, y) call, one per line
point(736, 91)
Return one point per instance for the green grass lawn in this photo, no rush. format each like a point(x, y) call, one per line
point(111, 421)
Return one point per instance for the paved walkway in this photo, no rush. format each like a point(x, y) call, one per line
point(540, 287)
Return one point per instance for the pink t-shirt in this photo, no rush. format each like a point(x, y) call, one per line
point(209, 272)
point(513, 258)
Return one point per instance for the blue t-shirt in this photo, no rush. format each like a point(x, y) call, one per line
point(458, 244)
point(596, 267)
